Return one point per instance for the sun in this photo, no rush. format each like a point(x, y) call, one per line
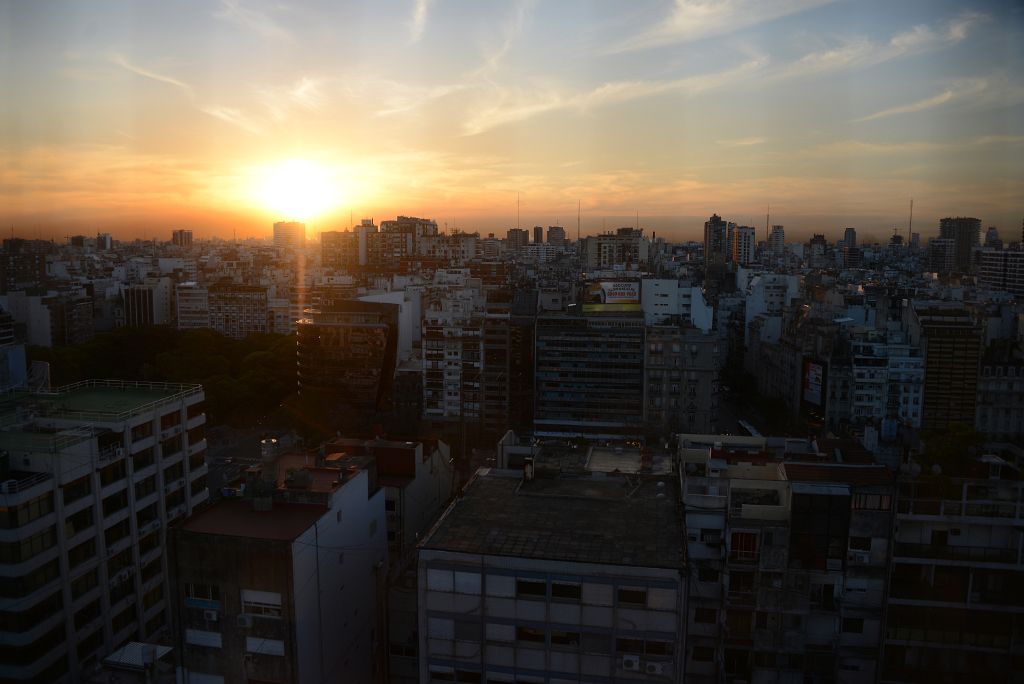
point(298, 189)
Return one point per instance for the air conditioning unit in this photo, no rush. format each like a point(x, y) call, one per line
point(631, 663)
point(119, 452)
point(245, 620)
point(833, 564)
point(210, 615)
point(654, 668)
point(862, 557)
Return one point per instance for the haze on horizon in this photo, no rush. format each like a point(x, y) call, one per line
point(224, 117)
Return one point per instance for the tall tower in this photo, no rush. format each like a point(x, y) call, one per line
point(289, 235)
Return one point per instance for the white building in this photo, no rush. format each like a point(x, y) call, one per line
point(554, 580)
point(93, 474)
point(193, 306)
point(282, 584)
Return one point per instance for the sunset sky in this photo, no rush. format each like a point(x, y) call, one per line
point(136, 118)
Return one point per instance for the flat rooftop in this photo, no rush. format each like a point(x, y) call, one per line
point(102, 400)
point(612, 520)
point(236, 518)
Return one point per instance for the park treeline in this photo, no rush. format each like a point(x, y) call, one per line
point(243, 379)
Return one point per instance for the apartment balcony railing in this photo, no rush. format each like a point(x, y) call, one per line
point(981, 554)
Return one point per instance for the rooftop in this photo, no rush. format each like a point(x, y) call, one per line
point(236, 518)
point(612, 520)
point(101, 400)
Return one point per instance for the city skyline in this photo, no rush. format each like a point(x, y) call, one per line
point(226, 118)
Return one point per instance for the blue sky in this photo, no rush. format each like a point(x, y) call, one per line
point(141, 117)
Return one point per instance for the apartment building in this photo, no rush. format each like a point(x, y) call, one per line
point(956, 603)
point(238, 311)
point(587, 370)
point(91, 476)
point(788, 548)
point(681, 366)
point(280, 583)
point(554, 580)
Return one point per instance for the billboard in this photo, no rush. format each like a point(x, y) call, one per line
point(813, 382)
point(612, 295)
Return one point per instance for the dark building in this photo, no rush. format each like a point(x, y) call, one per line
point(339, 249)
point(282, 585)
point(181, 238)
point(589, 372)
point(348, 353)
point(966, 235)
point(538, 235)
point(23, 264)
point(951, 343)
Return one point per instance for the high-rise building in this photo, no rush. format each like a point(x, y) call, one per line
point(556, 236)
point(551, 579)
point(777, 242)
point(625, 247)
point(965, 233)
point(290, 235)
point(238, 310)
point(951, 343)
point(716, 241)
point(347, 353)
point(587, 370)
point(538, 235)
point(816, 249)
point(992, 240)
point(681, 379)
point(743, 245)
point(850, 237)
point(93, 474)
point(339, 249)
point(193, 306)
point(1002, 270)
point(517, 238)
point(181, 238)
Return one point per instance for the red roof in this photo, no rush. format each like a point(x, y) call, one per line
point(839, 474)
point(236, 518)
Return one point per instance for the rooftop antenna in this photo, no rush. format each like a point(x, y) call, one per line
point(910, 223)
point(580, 209)
point(517, 210)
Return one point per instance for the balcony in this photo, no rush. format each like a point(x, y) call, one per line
point(974, 554)
point(703, 495)
point(944, 508)
point(21, 487)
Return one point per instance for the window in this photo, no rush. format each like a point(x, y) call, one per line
point(705, 574)
point(853, 625)
point(264, 646)
point(596, 643)
point(629, 646)
point(703, 654)
point(565, 592)
point(261, 603)
point(658, 648)
point(705, 615)
point(531, 589)
point(860, 543)
point(871, 502)
point(637, 597)
point(530, 634)
point(560, 638)
point(467, 631)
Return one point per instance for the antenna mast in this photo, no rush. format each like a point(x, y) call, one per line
point(910, 223)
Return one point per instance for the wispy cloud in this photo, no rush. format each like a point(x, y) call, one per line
point(419, 19)
point(862, 52)
point(252, 19)
point(692, 20)
point(964, 89)
point(121, 61)
point(857, 148)
point(742, 142)
point(510, 30)
point(233, 116)
point(503, 108)
point(999, 140)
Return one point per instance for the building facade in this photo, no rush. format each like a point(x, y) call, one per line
point(92, 476)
